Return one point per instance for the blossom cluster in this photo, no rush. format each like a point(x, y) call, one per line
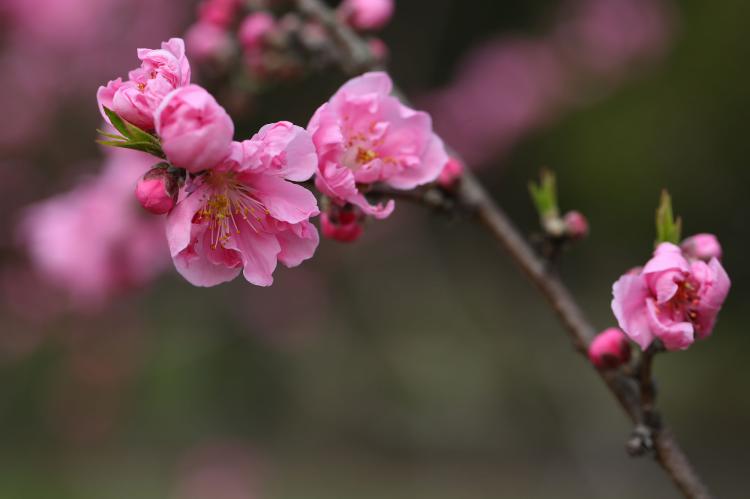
point(237, 206)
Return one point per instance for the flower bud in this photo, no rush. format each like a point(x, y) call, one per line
point(576, 225)
point(366, 14)
point(341, 224)
point(609, 349)
point(702, 247)
point(157, 190)
point(378, 48)
point(195, 131)
point(451, 173)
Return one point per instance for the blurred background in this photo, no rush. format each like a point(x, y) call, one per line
point(417, 362)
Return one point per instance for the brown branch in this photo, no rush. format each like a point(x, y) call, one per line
point(635, 395)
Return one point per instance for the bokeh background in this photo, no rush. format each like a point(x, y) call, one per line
point(416, 363)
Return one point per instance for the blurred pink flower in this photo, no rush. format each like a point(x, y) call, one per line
point(253, 30)
point(503, 89)
point(247, 213)
point(162, 71)
point(363, 135)
point(220, 470)
point(207, 41)
point(508, 87)
point(195, 131)
point(93, 241)
point(366, 14)
point(671, 299)
point(608, 36)
point(218, 12)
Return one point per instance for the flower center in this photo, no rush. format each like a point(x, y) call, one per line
point(230, 206)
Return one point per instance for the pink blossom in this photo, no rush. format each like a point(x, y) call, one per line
point(253, 30)
point(342, 224)
point(206, 41)
point(671, 299)
point(609, 36)
point(195, 131)
point(702, 247)
point(93, 241)
point(363, 135)
point(246, 214)
point(609, 349)
point(156, 190)
point(451, 173)
point(217, 12)
point(162, 70)
point(503, 89)
point(576, 225)
point(367, 14)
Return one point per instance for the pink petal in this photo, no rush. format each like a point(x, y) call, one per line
point(284, 200)
point(298, 243)
point(259, 252)
point(629, 306)
point(675, 334)
point(376, 82)
point(197, 268)
point(180, 220)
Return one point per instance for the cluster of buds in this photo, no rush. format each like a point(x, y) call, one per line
point(273, 42)
point(557, 229)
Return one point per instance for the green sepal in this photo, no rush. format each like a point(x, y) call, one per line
point(132, 137)
point(668, 228)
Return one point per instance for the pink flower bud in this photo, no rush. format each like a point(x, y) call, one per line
point(342, 225)
point(195, 131)
point(702, 247)
point(609, 349)
point(576, 225)
point(450, 174)
point(366, 14)
point(157, 190)
point(253, 30)
point(378, 48)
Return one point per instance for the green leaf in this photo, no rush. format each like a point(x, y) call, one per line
point(116, 121)
point(544, 195)
point(668, 228)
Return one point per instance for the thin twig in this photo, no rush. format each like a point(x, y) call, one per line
point(635, 396)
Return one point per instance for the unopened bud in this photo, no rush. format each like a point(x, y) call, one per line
point(451, 173)
point(341, 224)
point(702, 247)
point(609, 349)
point(157, 190)
point(576, 225)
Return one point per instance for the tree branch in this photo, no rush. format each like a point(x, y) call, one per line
point(635, 395)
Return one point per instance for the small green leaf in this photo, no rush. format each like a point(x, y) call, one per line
point(668, 228)
point(544, 195)
point(116, 121)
